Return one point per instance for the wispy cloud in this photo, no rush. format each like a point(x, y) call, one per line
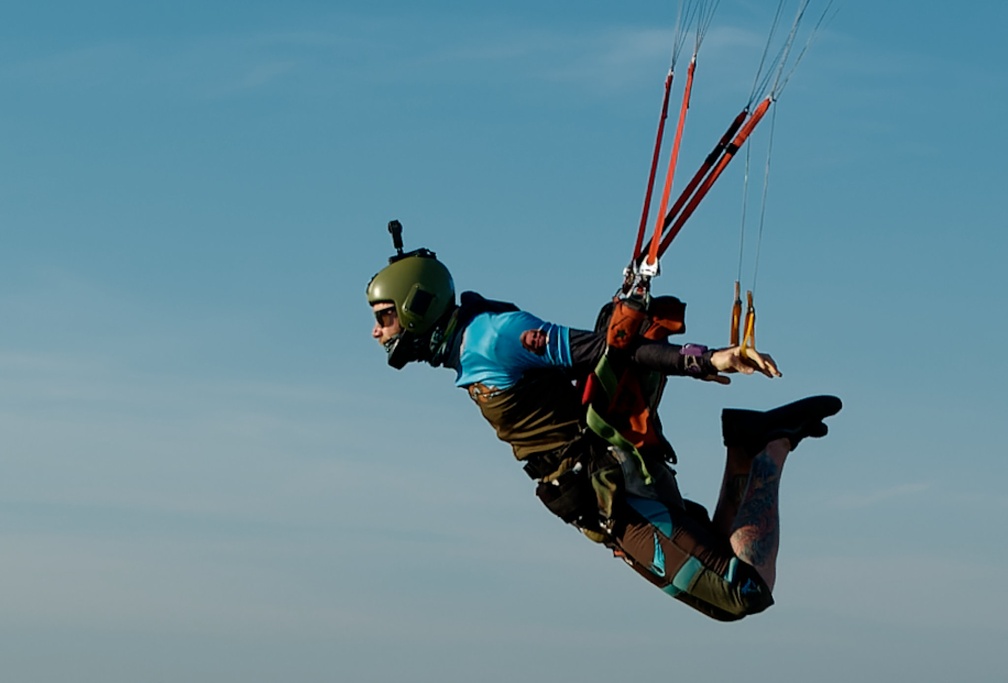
point(964, 592)
point(407, 48)
point(216, 65)
point(868, 499)
point(260, 75)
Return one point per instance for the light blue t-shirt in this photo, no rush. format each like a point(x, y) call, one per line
point(492, 352)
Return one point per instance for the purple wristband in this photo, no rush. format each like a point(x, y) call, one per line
point(693, 357)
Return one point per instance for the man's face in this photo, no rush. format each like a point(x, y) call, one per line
point(386, 322)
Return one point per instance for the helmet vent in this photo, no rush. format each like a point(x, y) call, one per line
point(419, 301)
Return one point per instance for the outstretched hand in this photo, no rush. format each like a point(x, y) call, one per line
point(739, 359)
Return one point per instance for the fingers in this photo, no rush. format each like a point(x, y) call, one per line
point(753, 360)
point(772, 366)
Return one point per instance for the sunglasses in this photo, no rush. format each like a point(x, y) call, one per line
point(385, 316)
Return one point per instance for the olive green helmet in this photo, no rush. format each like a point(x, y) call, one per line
point(423, 293)
point(420, 287)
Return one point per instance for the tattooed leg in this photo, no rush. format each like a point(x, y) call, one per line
point(733, 488)
point(755, 535)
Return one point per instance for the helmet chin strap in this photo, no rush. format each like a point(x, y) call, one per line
point(406, 347)
point(401, 349)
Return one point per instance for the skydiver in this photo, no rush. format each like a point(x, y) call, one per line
point(520, 371)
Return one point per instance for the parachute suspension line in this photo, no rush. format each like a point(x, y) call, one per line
point(736, 314)
point(733, 139)
point(785, 50)
point(715, 164)
point(745, 205)
point(652, 257)
point(743, 333)
point(677, 43)
point(749, 334)
point(763, 199)
point(707, 164)
point(824, 18)
point(703, 15)
point(760, 79)
point(726, 156)
point(654, 168)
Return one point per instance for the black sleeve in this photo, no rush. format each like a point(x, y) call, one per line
point(587, 348)
point(670, 359)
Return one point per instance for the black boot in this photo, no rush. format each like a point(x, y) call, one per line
point(752, 430)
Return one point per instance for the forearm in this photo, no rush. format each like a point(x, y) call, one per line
point(669, 359)
point(672, 359)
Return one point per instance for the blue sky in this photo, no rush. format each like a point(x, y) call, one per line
point(210, 474)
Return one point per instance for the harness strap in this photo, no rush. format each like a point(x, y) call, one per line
point(605, 383)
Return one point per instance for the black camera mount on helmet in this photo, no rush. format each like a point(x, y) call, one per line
point(395, 229)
